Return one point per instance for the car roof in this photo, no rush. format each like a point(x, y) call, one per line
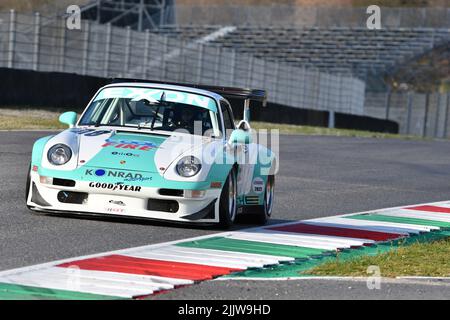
point(167, 87)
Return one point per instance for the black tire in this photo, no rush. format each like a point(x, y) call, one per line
point(262, 216)
point(27, 188)
point(227, 210)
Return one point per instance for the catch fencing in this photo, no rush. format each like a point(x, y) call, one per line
point(420, 114)
point(34, 42)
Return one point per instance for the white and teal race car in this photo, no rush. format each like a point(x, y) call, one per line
point(157, 151)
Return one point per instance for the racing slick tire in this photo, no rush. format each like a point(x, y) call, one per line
point(228, 201)
point(262, 215)
point(27, 188)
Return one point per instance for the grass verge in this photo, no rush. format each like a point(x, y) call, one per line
point(335, 263)
point(26, 119)
point(29, 119)
point(320, 131)
point(419, 259)
point(17, 123)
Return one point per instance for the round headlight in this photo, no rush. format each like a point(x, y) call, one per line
point(188, 166)
point(59, 154)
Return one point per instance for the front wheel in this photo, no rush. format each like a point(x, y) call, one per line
point(228, 201)
point(28, 187)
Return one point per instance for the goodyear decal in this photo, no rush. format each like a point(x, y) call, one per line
point(114, 186)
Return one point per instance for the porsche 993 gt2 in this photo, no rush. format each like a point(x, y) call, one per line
point(157, 151)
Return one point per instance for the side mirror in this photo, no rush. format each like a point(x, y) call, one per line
point(239, 136)
point(69, 118)
point(244, 125)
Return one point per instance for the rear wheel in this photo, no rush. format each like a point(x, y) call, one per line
point(228, 201)
point(263, 215)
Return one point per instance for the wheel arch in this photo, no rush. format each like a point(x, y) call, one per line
point(38, 150)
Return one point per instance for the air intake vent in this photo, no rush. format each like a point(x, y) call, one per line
point(142, 133)
point(171, 192)
point(252, 200)
point(63, 182)
point(72, 197)
point(162, 205)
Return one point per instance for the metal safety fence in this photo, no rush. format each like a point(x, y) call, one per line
point(45, 44)
point(421, 114)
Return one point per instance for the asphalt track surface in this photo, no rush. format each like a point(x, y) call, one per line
point(319, 176)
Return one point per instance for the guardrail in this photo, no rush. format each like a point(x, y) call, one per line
point(38, 43)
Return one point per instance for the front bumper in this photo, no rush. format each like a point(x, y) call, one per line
point(124, 202)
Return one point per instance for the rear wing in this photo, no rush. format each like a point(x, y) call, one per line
point(256, 95)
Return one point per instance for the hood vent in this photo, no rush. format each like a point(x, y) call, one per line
point(142, 132)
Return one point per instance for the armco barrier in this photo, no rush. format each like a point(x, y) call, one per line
point(349, 121)
point(46, 89)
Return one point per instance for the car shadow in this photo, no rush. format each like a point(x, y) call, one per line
point(242, 222)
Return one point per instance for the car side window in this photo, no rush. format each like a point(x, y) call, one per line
point(228, 120)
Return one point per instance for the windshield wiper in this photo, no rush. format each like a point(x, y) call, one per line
point(161, 101)
point(154, 117)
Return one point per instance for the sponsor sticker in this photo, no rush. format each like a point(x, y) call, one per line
point(258, 185)
point(118, 207)
point(113, 173)
point(129, 144)
point(115, 210)
point(117, 202)
point(141, 179)
point(124, 154)
point(114, 186)
point(154, 95)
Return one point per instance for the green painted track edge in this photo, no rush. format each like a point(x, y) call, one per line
point(300, 268)
point(9, 291)
point(246, 246)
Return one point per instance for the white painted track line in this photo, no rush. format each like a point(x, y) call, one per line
point(72, 283)
point(376, 228)
point(189, 258)
point(419, 215)
point(355, 222)
point(301, 240)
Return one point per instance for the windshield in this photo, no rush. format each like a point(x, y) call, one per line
point(152, 109)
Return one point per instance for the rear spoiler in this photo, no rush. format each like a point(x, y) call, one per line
point(226, 92)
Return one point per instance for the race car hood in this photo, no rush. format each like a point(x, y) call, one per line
point(124, 150)
point(119, 150)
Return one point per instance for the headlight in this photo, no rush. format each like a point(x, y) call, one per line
point(188, 166)
point(59, 154)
